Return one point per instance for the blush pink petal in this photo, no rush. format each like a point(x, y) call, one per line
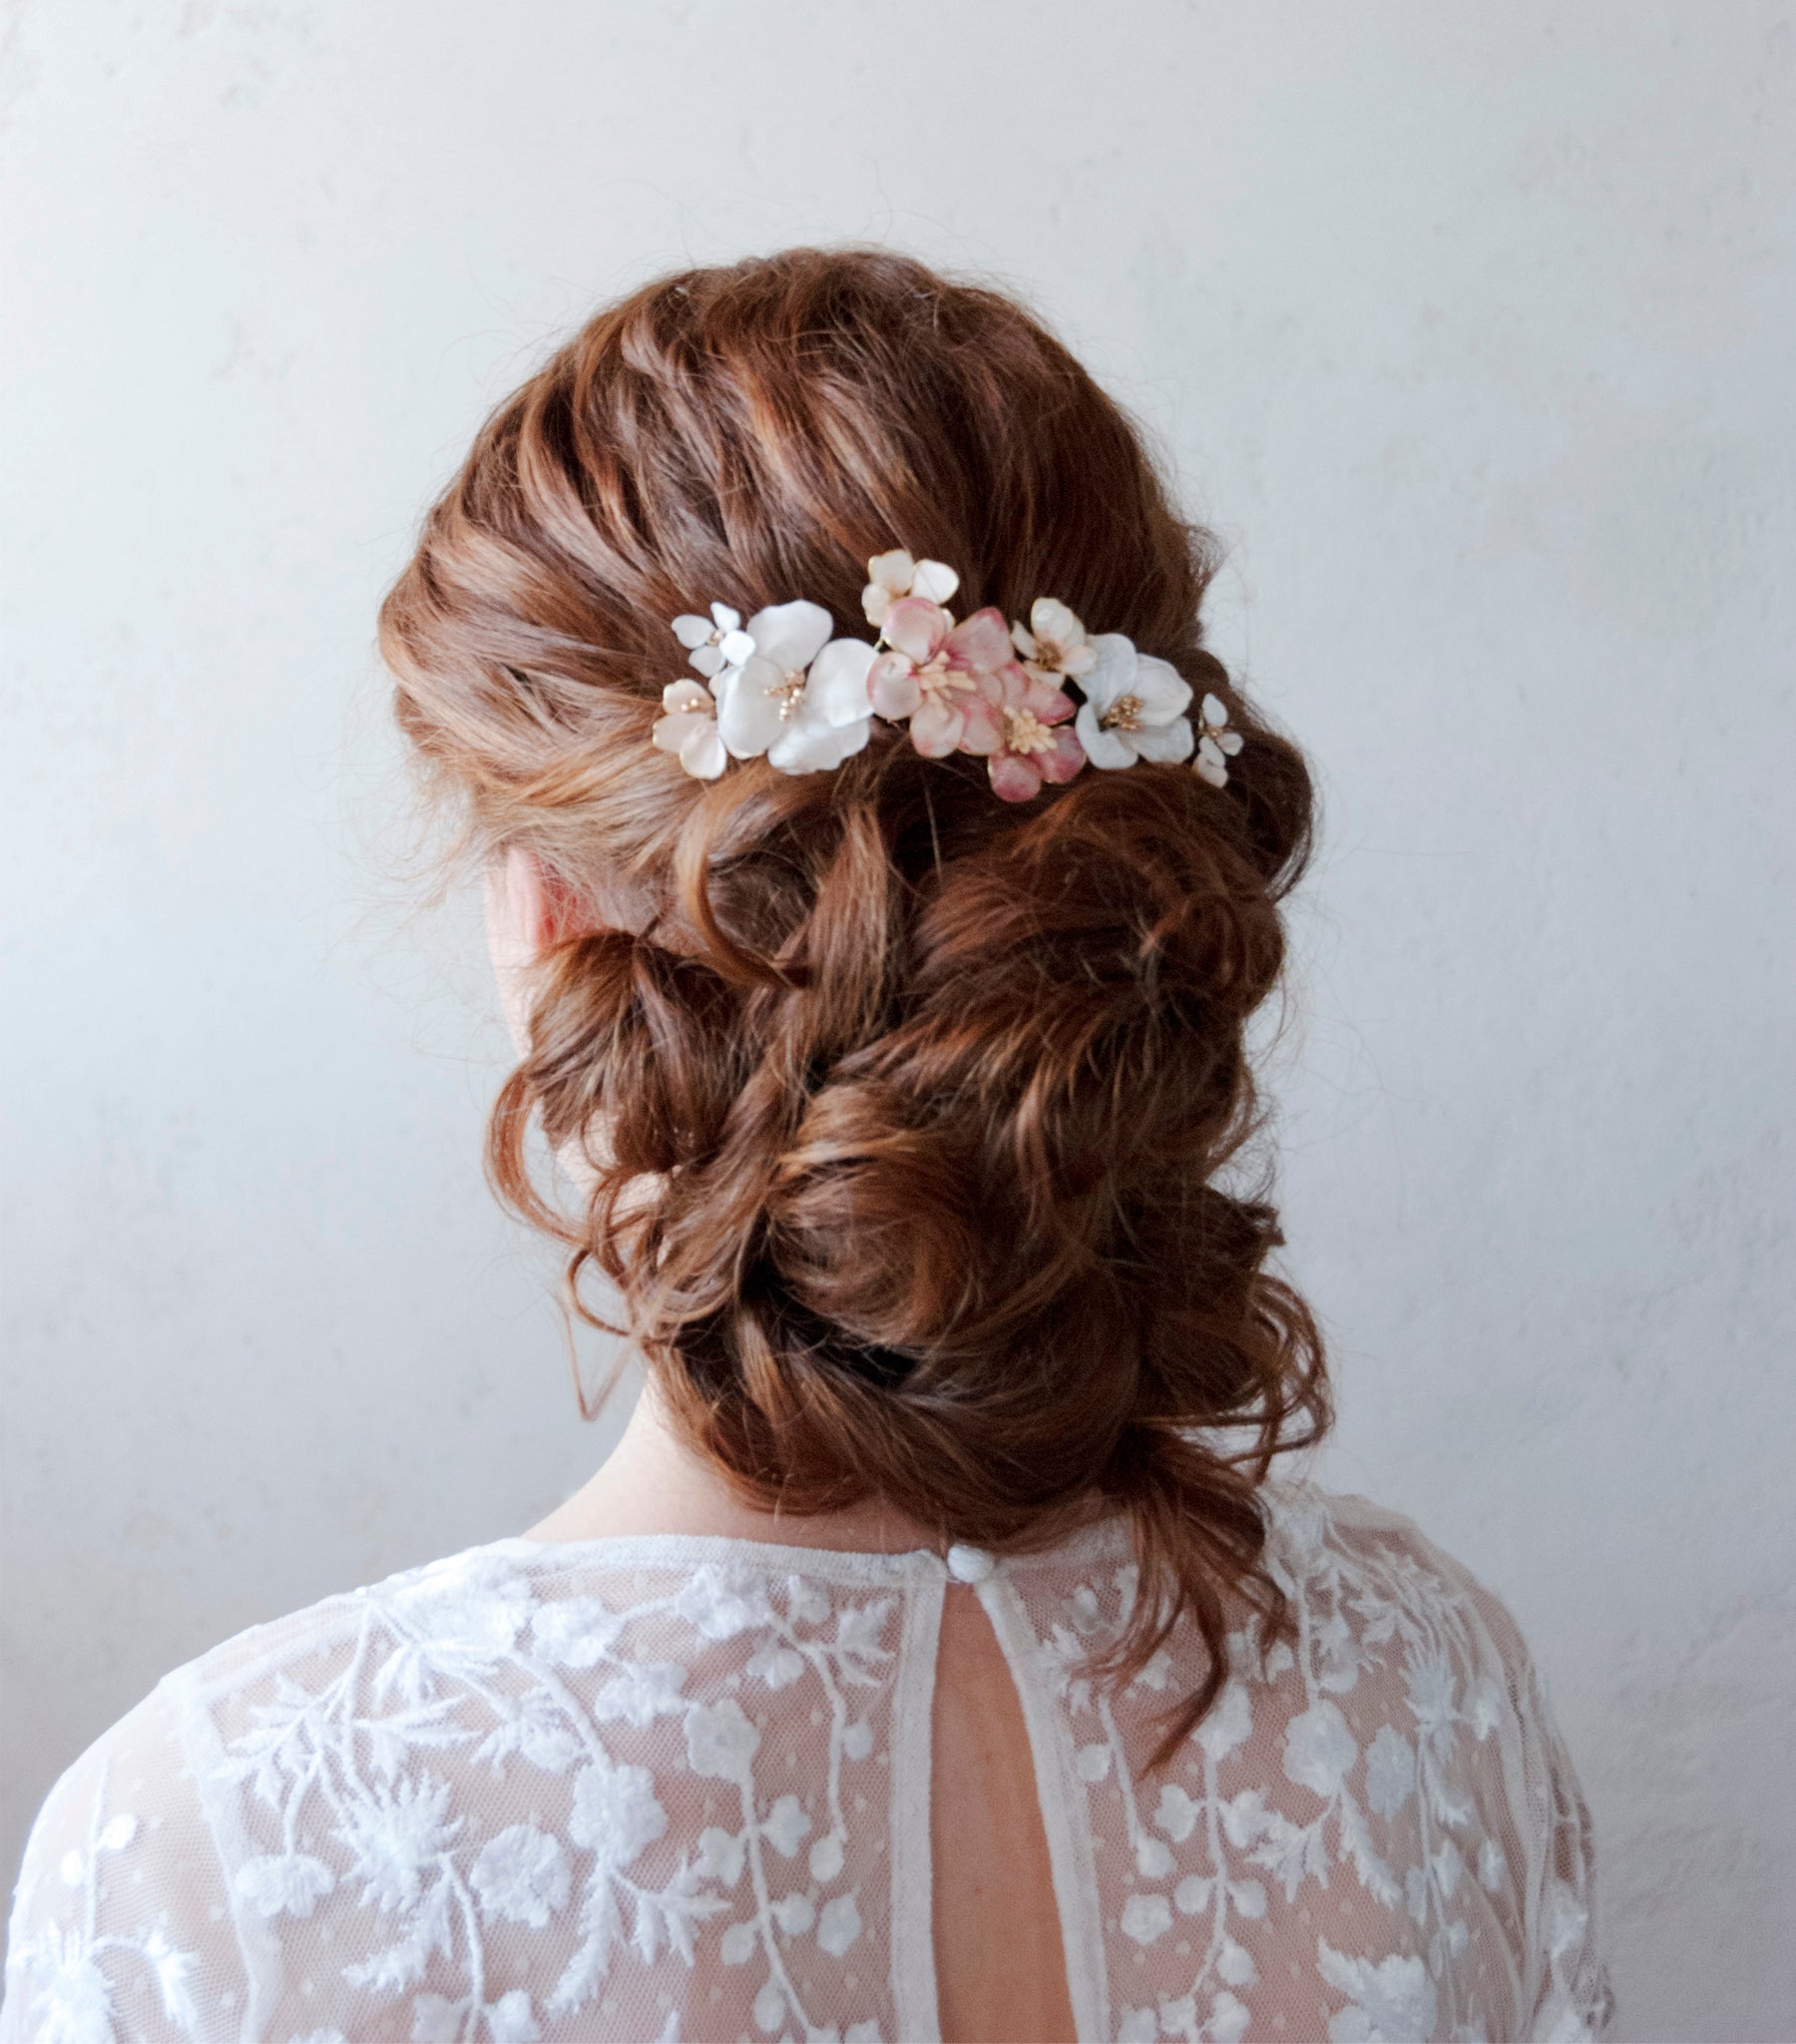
point(980, 643)
point(1013, 778)
point(1064, 761)
point(1050, 704)
point(936, 729)
point(981, 726)
point(892, 684)
point(916, 628)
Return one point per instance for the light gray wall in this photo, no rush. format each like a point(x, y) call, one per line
point(1471, 327)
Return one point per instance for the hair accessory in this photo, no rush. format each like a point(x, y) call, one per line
point(783, 688)
point(1216, 743)
point(895, 574)
point(716, 641)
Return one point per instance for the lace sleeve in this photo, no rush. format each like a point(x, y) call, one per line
point(1576, 2001)
point(121, 1924)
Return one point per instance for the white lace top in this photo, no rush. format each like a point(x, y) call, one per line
point(669, 1789)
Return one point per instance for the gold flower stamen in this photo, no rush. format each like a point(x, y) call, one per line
point(1023, 731)
point(1125, 714)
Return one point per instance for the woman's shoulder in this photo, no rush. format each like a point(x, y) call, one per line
point(448, 1623)
point(515, 1724)
point(1325, 1541)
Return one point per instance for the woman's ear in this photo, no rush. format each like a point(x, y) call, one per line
point(529, 910)
point(542, 905)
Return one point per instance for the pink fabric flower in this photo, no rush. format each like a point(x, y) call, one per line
point(936, 674)
point(1034, 744)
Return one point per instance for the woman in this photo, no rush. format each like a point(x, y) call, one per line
point(881, 878)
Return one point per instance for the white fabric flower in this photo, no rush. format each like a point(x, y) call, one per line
point(688, 727)
point(615, 1813)
point(1390, 1772)
point(801, 698)
point(1147, 1917)
point(1433, 1696)
point(1054, 644)
point(284, 1883)
point(1228, 2017)
point(785, 1824)
point(809, 1605)
point(471, 1603)
point(397, 1835)
point(711, 1605)
point(1229, 1721)
point(895, 574)
point(838, 1925)
point(720, 1741)
point(1135, 706)
point(521, 1875)
point(1235, 1964)
point(577, 1632)
point(1490, 1865)
point(510, 2019)
point(713, 642)
point(641, 1692)
point(1216, 743)
point(1319, 1750)
point(720, 1855)
point(795, 1913)
point(436, 2019)
point(1177, 1814)
point(1248, 1898)
point(1392, 1998)
point(76, 1998)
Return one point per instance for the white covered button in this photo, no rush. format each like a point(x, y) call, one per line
point(969, 1564)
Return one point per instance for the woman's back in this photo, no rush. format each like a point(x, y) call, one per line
point(683, 1788)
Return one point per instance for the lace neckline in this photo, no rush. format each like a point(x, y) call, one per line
point(836, 1564)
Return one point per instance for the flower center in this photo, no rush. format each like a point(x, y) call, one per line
point(1125, 714)
point(787, 693)
point(937, 677)
point(1023, 731)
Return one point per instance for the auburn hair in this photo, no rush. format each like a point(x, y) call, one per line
point(909, 1113)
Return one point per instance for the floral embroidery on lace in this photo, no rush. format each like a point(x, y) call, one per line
point(422, 1676)
point(1209, 1853)
point(75, 2003)
point(701, 1781)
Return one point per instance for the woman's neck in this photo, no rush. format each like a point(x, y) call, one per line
point(652, 1483)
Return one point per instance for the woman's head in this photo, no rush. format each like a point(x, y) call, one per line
point(905, 1107)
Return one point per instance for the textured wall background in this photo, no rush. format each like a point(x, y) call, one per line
point(1469, 325)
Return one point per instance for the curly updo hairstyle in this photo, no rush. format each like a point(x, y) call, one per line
point(905, 1107)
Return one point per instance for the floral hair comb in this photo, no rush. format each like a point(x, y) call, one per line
point(781, 687)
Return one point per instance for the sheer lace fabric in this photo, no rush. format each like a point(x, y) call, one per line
point(678, 1789)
